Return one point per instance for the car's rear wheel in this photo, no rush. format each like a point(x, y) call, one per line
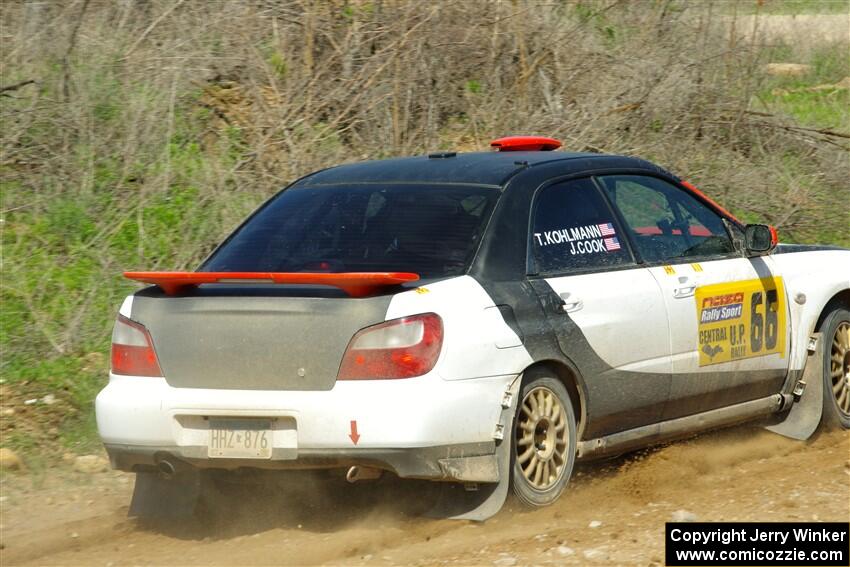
point(836, 369)
point(544, 441)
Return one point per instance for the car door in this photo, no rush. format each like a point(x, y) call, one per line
point(727, 313)
point(609, 313)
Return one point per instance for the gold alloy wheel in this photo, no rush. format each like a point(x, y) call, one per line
point(840, 367)
point(542, 439)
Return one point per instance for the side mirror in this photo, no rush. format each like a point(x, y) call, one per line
point(760, 239)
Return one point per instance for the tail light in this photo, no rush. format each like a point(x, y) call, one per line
point(401, 348)
point(132, 350)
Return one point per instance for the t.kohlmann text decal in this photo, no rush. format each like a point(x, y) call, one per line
point(740, 320)
point(587, 239)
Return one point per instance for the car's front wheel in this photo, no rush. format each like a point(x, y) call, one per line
point(544, 440)
point(836, 369)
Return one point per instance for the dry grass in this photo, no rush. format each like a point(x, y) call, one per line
point(136, 134)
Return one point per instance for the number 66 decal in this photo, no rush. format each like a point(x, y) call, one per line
point(764, 329)
point(740, 320)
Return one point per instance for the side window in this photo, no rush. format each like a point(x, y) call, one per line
point(666, 223)
point(574, 229)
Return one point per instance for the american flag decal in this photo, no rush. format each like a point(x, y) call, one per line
point(607, 229)
point(612, 244)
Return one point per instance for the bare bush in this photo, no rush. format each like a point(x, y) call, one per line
point(136, 133)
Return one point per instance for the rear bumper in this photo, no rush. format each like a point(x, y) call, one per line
point(423, 427)
point(475, 462)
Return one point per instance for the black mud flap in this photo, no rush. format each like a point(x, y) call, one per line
point(804, 416)
point(157, 497)
point(478, 502)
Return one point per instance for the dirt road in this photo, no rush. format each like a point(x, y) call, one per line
point(742, 474)
point(801, 30)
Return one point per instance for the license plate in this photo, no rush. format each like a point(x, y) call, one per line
point(240, 439)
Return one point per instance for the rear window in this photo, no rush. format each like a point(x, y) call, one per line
point(429, 230)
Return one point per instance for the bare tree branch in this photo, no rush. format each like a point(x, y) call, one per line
point(16, 86)
point(66, 65)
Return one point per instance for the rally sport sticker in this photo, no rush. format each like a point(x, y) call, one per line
point(740, 320)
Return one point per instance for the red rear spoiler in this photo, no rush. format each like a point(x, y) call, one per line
point(355, 284)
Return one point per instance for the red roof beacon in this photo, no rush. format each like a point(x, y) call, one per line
point(525, 144)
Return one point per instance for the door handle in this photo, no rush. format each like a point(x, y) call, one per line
point(685, 289)
point(569, 302)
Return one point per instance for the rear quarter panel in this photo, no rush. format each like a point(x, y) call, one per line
point(477, 342)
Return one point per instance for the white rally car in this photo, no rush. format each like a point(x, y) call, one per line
point(482, 319)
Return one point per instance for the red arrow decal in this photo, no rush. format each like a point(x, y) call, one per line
point(355, 437)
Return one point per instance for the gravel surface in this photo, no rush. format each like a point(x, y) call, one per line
point(613, 513)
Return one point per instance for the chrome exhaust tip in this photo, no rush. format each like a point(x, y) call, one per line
point(358, 473)
point(166, 468)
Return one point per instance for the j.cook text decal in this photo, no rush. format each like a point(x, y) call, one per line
point(587, 239)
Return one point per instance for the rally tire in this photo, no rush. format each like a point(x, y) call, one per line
point(836, 369)
point(543, 441)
